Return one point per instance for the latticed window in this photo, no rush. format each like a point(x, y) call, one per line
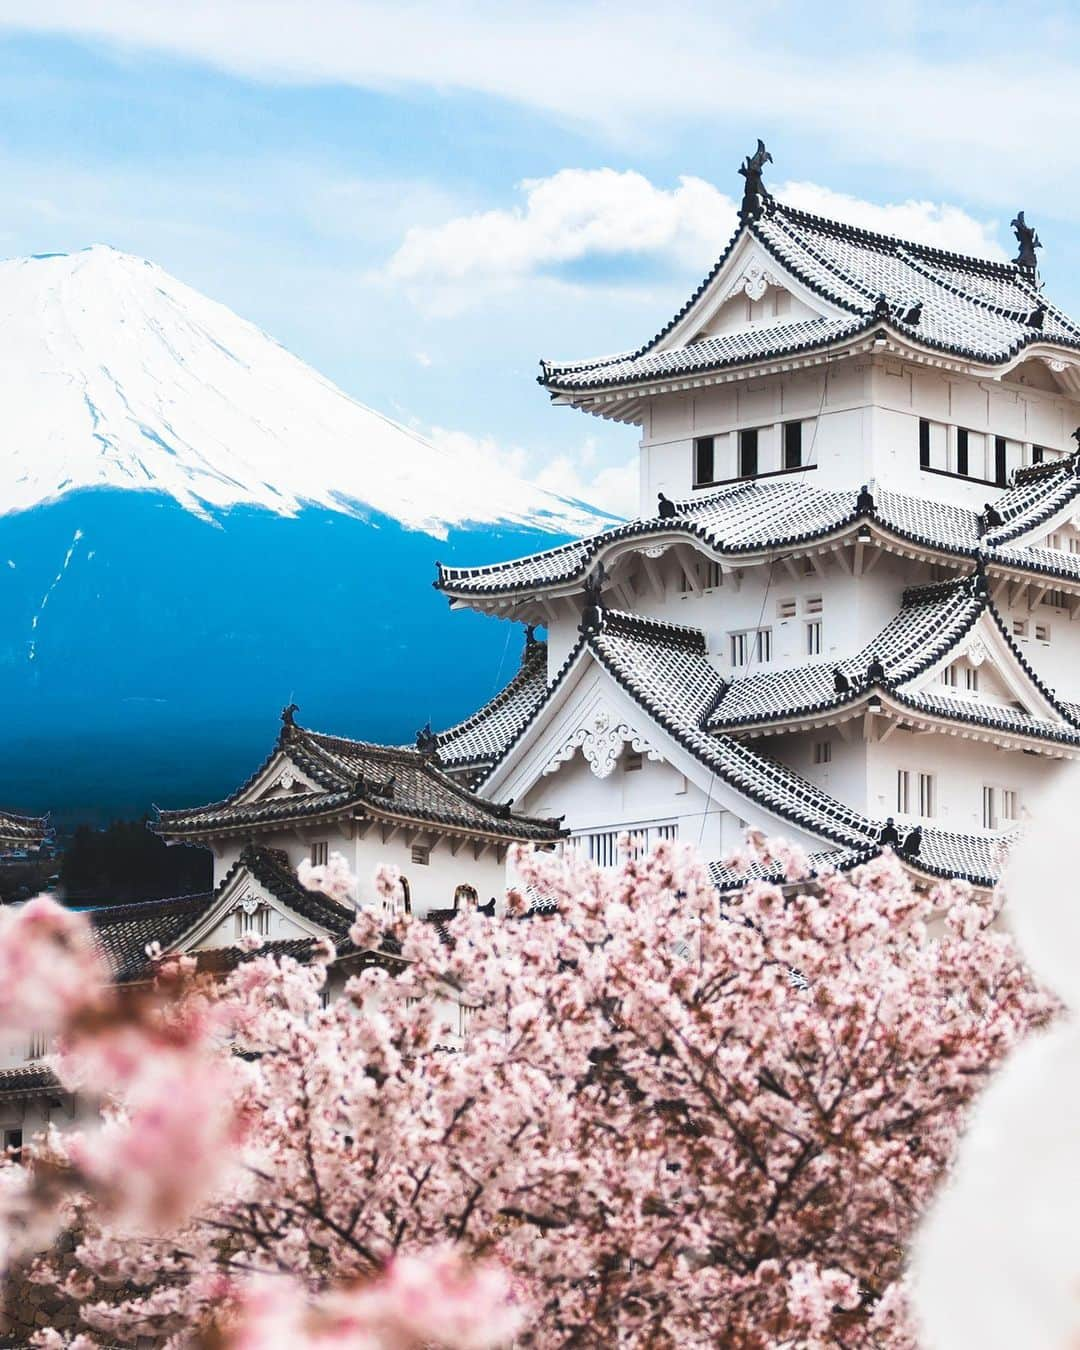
point(927, 795)
point(320, 853)
point(813, 638)
point(903, 791)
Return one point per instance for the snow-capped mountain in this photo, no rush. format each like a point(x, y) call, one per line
point(115, 374)
point(197, 528)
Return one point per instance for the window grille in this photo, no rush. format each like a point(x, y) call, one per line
point(712, 575)
point(256, 921)
point(13, 1141)
point(1042, 632)
point(971, 676)
point(948, 676)
point(39, 1045)
point(602, 846)
point(903, 791)
point(823, 752)
point(420, 855)
point(924, 443)
point(1010, 804)
point(320, 853)
point(1001, 462)
point(813, 638)
point(989, 811)
point(813, 604)
point(927, 795)
point(1054, 599)
point(1019, 628)
point(786, 609)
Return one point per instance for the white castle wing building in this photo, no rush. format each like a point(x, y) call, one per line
point(847, 612)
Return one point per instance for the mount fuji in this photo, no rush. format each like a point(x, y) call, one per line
point(196, 528)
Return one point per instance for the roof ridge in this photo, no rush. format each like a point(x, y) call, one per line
point(626, 621)
point(137, 909)
point(971, 261)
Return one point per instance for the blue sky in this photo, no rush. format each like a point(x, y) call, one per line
point(422, 199)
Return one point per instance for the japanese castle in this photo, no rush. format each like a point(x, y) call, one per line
point(843, 617)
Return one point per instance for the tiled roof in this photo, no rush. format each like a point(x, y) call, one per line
point(22, 831)
point(376, 780)
point(480, 739)
point(932, 620)
point(665, 669)
point(786, 511)
point(125, 931)
point(970, 308)
point(29, 1080)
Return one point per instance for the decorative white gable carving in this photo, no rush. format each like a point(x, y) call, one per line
point(753, 282)
point(248, 903)
point(601, 741)
point(976, 652)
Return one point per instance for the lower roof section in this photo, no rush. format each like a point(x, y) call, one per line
point(759, 517)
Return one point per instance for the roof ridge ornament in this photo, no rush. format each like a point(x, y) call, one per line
point(427, 742)
point(666, 508)
point(592, 613)
point(757, 199)
point(1028, 240)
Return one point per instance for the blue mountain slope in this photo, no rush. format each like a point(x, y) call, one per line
point(146, 652)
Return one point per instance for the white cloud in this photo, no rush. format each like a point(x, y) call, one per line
point(573, 215)
point(849, 74)
point(613, 489)
point(582, 215)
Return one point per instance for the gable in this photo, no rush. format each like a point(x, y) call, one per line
point(246, 905)
point(281, 777)
point(985, 669)
point(752, 290)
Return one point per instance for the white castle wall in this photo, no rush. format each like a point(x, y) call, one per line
point(431, 885)
point(861, 422)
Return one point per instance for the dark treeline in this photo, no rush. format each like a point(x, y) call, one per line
point(127, 862)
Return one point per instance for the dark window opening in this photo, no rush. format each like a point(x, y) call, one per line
point(1001, 467)
point(13, 1144)
point(792, 445)
point(924, 443)
point(748, 458)
point(961, 450)
point(1037, 454)
point(704, 461)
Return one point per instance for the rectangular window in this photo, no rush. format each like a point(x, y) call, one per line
point(786, 609)
point(1019, 628)
point(989, 814)
point(1074, 543)
point(924, 443)
point(823, 752)
point(754, 643)
point(39, 1045)
point(13, 1144)
point(948, 676)
point(748, 453)
point(903, 791)
point(971, 676)
point(420, 854)
point(1001, 461)
point(1037, 454)
point(704, 461)
point(632, 761)
point(1054, 599)
point(1010, 804)
point(793, 445)
point(712, 575)
point(926, 795)
point(962, 450)
point(813, 637)
point(814, 604)
point(1042, 632)
point(320, 852)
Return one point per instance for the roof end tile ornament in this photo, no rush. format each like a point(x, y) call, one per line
point(427, 742)
point(757, 199)
point(288, 721)
point(1028, 241)
point(666, 508)
point(864, 503)
point(592, 614)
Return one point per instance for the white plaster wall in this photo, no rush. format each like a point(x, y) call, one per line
point(432, 885)
point(655, 793)
point(861, 420)
point(961, 768)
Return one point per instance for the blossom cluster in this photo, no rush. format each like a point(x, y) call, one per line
point(675, 1118)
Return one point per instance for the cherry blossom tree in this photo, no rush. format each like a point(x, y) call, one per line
point(675, 1119)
